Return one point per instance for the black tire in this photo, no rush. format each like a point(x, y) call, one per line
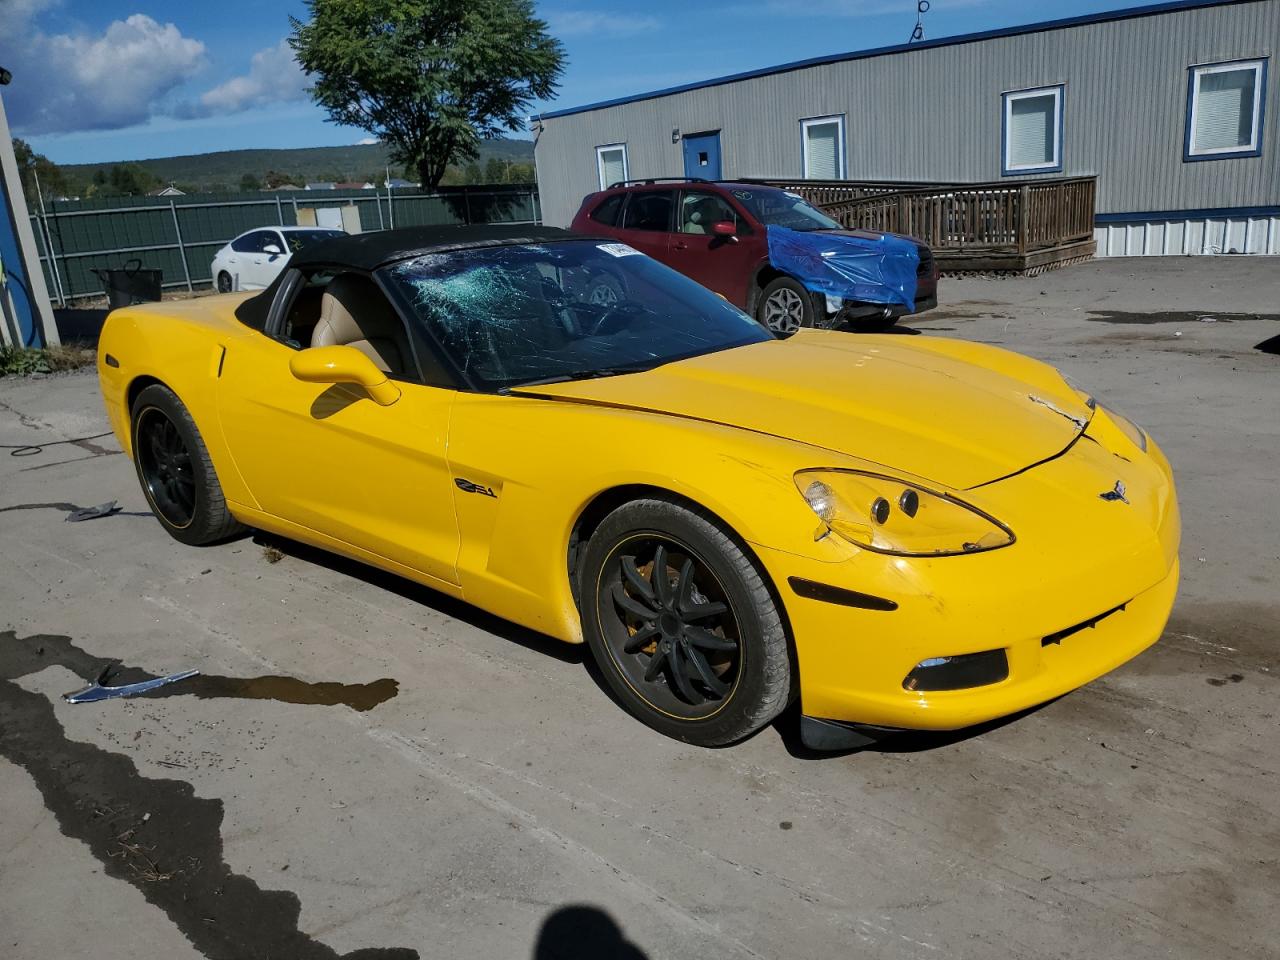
point(662, 682)
point(224, 282)
point(784, 307)
point(175, 471)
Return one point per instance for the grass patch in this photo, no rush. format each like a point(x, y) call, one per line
point(24, 361)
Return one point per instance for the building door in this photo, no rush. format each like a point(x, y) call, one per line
point(702, 155)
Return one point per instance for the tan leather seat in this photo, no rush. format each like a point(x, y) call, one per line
point(355, 313)
point(700, 215)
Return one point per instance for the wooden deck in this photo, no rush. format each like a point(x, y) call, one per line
point(1012, 226)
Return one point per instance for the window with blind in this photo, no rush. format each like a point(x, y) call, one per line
point(823, 148)
point(1224, 110)
point(1033, 131)
point(611, 162)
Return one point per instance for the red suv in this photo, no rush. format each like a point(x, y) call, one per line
point(718, 234)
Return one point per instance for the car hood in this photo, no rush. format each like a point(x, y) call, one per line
point(871, 236)
point(955, 413)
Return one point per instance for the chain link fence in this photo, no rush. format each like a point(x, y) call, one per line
point(179, 235)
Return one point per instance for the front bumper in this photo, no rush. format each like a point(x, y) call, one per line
point(1069, 568)
point(852, 311)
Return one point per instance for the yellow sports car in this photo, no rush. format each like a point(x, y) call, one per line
point(901, 532)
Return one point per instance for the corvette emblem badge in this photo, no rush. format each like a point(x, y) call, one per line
point(1115, 493)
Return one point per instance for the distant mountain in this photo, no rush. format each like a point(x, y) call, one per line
point(226, 168)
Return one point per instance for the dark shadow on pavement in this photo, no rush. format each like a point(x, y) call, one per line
point(1269, 346)
point(906, 741)
point(582, 932)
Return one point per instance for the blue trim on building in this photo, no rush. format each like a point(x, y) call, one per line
point(1130, 13)
point(1060, 146)
point(1213, 213)
point(1260, 132)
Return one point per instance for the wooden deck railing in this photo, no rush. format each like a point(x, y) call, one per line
point(1011, 224)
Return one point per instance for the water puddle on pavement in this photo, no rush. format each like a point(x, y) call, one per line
point(1174, 316)
point(156, 834)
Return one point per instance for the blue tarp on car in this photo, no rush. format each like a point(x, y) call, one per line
point(873, 269)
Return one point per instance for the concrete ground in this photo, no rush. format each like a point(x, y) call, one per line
point(421, 780)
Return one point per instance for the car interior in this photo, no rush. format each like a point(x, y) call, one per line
point(648, 211)
point(355, 313)
point(698, 211)
point(348, 309)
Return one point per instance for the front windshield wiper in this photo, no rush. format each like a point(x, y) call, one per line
point(590, 374)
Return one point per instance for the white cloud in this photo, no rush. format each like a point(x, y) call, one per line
point(274, 77)
point(80, 81)
point(367, 141)
point(571, 23)
point(17, 14)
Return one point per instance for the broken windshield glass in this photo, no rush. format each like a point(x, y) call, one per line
point(516, 314)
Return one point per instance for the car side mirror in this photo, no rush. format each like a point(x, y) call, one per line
point(272, 249)
point(725, 229)
point(343, 364)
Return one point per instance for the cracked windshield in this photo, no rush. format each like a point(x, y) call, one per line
point(517, 315)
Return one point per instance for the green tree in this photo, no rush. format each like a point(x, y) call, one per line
point(495, 171)
point(472, 173)
point(34, 166)
point(274, 178)
point(125, 179)
point(249, 183)
point(429, 78)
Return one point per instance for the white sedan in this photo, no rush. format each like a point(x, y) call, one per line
point(255, 258)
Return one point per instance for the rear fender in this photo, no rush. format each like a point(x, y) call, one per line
point(138, 345)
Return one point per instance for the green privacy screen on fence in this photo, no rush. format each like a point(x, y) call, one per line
point(179, 235)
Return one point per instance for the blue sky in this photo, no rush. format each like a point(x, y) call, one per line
point(98, 80)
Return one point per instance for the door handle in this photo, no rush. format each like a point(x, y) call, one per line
point(681, 245)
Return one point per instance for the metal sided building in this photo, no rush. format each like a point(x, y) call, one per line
point(1172, 107)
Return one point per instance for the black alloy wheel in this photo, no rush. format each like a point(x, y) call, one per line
point(224, 282)
point(673, 634)
point(165, 464)
point(176, 471)
point(683, 624)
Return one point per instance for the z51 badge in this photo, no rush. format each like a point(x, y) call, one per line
point(466, 486)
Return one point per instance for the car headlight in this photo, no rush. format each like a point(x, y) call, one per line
point(893, 516)
point(1135, 434)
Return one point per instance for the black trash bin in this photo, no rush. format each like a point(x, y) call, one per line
point(134, 284)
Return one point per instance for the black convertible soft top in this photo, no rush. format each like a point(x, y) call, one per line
point(368, 251)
